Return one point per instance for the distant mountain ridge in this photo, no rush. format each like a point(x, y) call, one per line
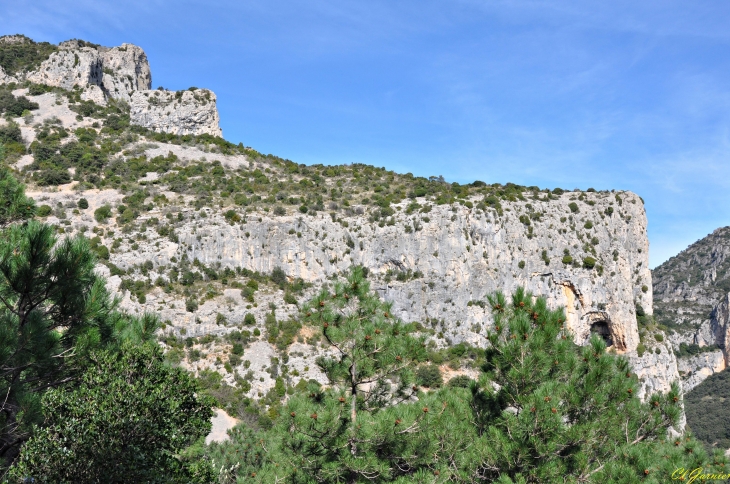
point(689, 290)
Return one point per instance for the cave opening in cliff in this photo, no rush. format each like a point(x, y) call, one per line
point(601, 329)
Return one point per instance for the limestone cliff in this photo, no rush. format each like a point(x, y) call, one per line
point(126, 70)
point(70, 68)
point(181, 112)
point(431, 248)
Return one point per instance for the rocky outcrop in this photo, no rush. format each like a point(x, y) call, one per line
point(657, 370)
point(124, 73)
point(117, 71)
point(69, 68)
point(178, 112)
point(6, 79)
point(695, 369)
point(720, 326)
point(126, 70)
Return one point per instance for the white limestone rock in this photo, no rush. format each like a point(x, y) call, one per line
point(462, 254)
point(68, 68)
point(656, 371)
point(177, 112)
point(695, 369)
point(126, 70)
point(6, 79)
point(94, 93)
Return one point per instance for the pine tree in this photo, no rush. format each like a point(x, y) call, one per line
point(53, 309)
point(544, 410)
point(14, 205)
point(369, 366)
point(552, 411)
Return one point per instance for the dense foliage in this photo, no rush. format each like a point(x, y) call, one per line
point(544, 410)
point(23, 54)
point(126, 421)
point(71, 365)
point(708, 413)
point(15, 105)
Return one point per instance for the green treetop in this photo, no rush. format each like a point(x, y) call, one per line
point(544, 409)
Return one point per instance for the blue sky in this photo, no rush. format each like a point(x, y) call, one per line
point(575, 94)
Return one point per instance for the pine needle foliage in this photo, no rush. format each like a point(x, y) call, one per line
point(544, 410)
point(54, 311)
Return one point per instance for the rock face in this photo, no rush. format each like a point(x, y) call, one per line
point(461, 256)
point(126, 70)
point(720, 326)
point(691, 299)
point(181, 112)
point(123, 73)
point(656, 372)
point(695, 369)
point(69, 68)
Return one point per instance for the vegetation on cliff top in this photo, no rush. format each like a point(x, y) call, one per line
point(19, 53)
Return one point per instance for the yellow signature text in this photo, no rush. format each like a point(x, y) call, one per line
point(697, 474)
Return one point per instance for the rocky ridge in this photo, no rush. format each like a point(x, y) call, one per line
point(691, 300)
point(121, 73)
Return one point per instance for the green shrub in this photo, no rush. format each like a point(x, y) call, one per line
point(278, 277)
point(641, 349)
point(644, 288)
point(567, 259)
point(659, 337)
point(102, 252)
point(573, 207)
point(232, 216)
point(249, 320)
point(126, 216)
point(52, 177)
point(521, 264)
point(102, 213)
point(83, 203)
point(191, 304)
point(429, 376)
point(44, 211)
point(460, 381)
point(589, 262)
point(588, 224)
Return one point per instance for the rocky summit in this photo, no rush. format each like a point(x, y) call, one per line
point(119, 73)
